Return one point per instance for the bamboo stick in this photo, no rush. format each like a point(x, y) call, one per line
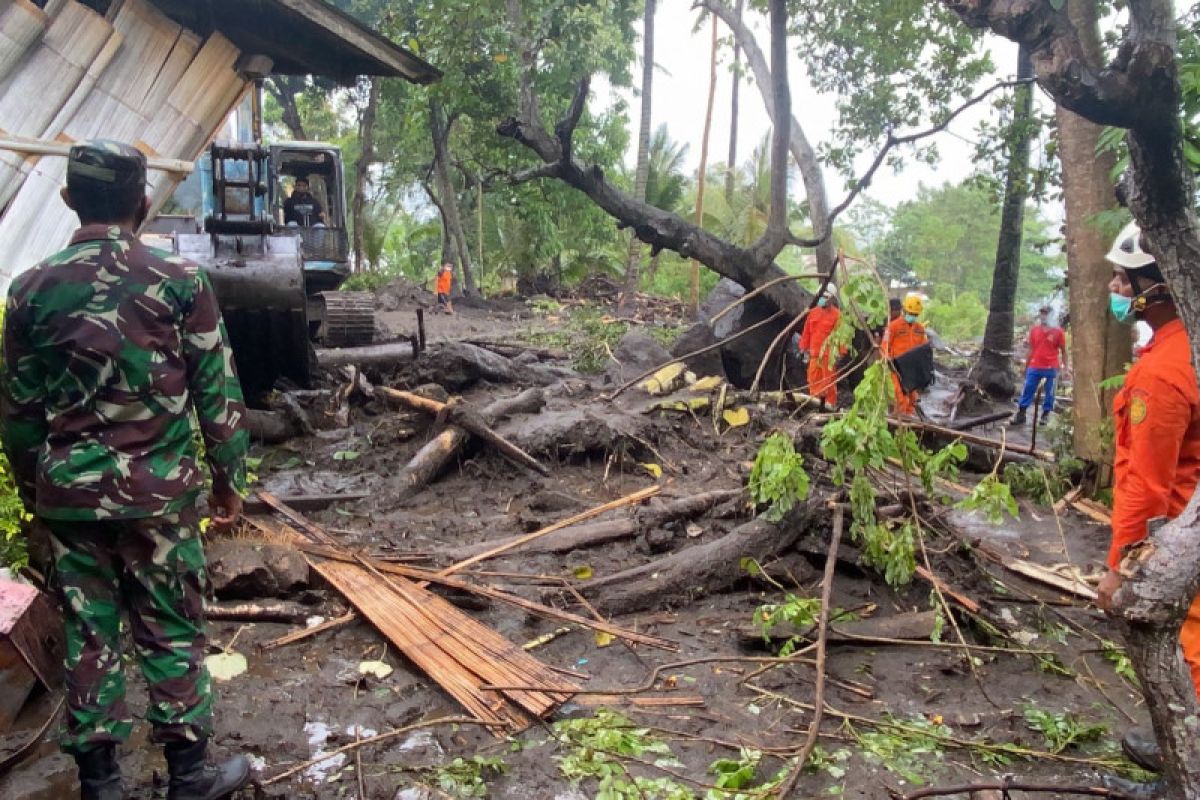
point(21, 144)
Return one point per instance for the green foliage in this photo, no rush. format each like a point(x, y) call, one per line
point(778, 479)
point(991, 497)
point(587, 336)
point(464, 777)
point(1061, 730)
point(861, 441)
point(800, 612)
point(911, 749)
point(594, 748)
point(14, 552)
point(1122, 665)
point(735, 775)
point(960, 319)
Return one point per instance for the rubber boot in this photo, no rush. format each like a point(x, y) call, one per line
point(1132, 790)
point(1142, 749)
point(1019, 418)
point(99, 775)
point(192, 778)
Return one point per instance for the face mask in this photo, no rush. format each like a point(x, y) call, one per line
point(910, 318)
point(822, 302)
point(1121, 307)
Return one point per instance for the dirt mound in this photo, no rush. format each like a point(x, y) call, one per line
point(402, 293)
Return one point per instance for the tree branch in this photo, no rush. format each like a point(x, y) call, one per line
point(893, 141)
point(775, 237)
point(1131, 92)
point(564, 131)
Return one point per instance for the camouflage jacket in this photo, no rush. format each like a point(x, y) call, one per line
point(108, 346)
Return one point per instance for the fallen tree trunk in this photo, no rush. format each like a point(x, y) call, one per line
point(703, 569)
point(431, 459)
point(599, 533)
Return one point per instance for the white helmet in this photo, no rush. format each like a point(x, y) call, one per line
point(1127, 252)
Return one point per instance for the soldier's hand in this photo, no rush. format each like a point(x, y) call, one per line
point(1108, 587)
point(225, 507)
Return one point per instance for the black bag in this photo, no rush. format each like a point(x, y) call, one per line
point(915, 368)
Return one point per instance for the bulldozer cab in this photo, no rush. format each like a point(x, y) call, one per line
point(318, 214)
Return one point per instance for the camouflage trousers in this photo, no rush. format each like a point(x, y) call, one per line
point(153, 570)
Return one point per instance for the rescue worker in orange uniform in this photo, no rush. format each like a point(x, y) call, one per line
point(822, 361)
point(1157, 464)
point(445, 279)
point(903, 334)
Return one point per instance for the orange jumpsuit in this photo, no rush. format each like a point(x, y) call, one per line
point(1158, 453)
point(444, 279)
point(900, 337)
point(822, 362)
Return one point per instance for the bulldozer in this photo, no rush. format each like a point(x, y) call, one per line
point(275, 265)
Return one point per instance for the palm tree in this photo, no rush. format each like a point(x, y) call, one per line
point(666, 182)
point(633, 262)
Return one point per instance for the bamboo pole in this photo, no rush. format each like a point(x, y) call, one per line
point(42, 147)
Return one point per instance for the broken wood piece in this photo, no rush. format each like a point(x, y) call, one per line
point(303, 502)
point(263, 611)
point(977, 422)
point(956, 596)
point(1072, 584)
point(492, 552)
point(653, 516)
point(538, 609)
point(438, 452)
point(297, 636)
point(983, 441)
point(1093, 510)
point(465, 418)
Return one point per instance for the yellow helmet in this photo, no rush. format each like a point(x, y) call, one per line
point(913, 304)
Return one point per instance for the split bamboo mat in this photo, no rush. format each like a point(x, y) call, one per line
point(461, 654)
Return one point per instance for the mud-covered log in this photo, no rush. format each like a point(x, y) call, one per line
point(371, 355)
point(431, 459)
point(459, 365)
point(703, 569)
point(598, 533)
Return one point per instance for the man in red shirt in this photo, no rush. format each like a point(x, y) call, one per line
point(1046, 342)
point(822, 361)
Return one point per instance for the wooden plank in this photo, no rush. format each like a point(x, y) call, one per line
point(1036, 572)
point(42, 147)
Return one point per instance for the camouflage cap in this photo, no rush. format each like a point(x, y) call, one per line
point(116, 164)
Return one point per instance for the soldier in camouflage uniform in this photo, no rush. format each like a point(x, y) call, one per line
point(109, 346)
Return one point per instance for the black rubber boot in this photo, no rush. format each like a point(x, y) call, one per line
point(1131, 790)
point(99, 775)
point(194, 779)
point(1142, 749)
point(1019, 418)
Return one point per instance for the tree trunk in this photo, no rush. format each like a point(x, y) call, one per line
point(731, 163)
point(362, 169)
point(1138, 91)
point(802, 151)
point(439, 128)
point(993, 372)
point(633, 261)
point(285, 88)
point(694, 291)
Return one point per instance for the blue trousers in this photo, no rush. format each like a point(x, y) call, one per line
point(1032, 378)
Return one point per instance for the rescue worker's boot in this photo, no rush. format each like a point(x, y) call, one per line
point(194, 779)
point(99, 775)
point(1132, 790)
point(1142, 749)
point(1019, 418)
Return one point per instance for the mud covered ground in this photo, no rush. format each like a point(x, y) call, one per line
point(300, 701)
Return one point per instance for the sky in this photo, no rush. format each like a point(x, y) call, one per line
point(681, 93)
